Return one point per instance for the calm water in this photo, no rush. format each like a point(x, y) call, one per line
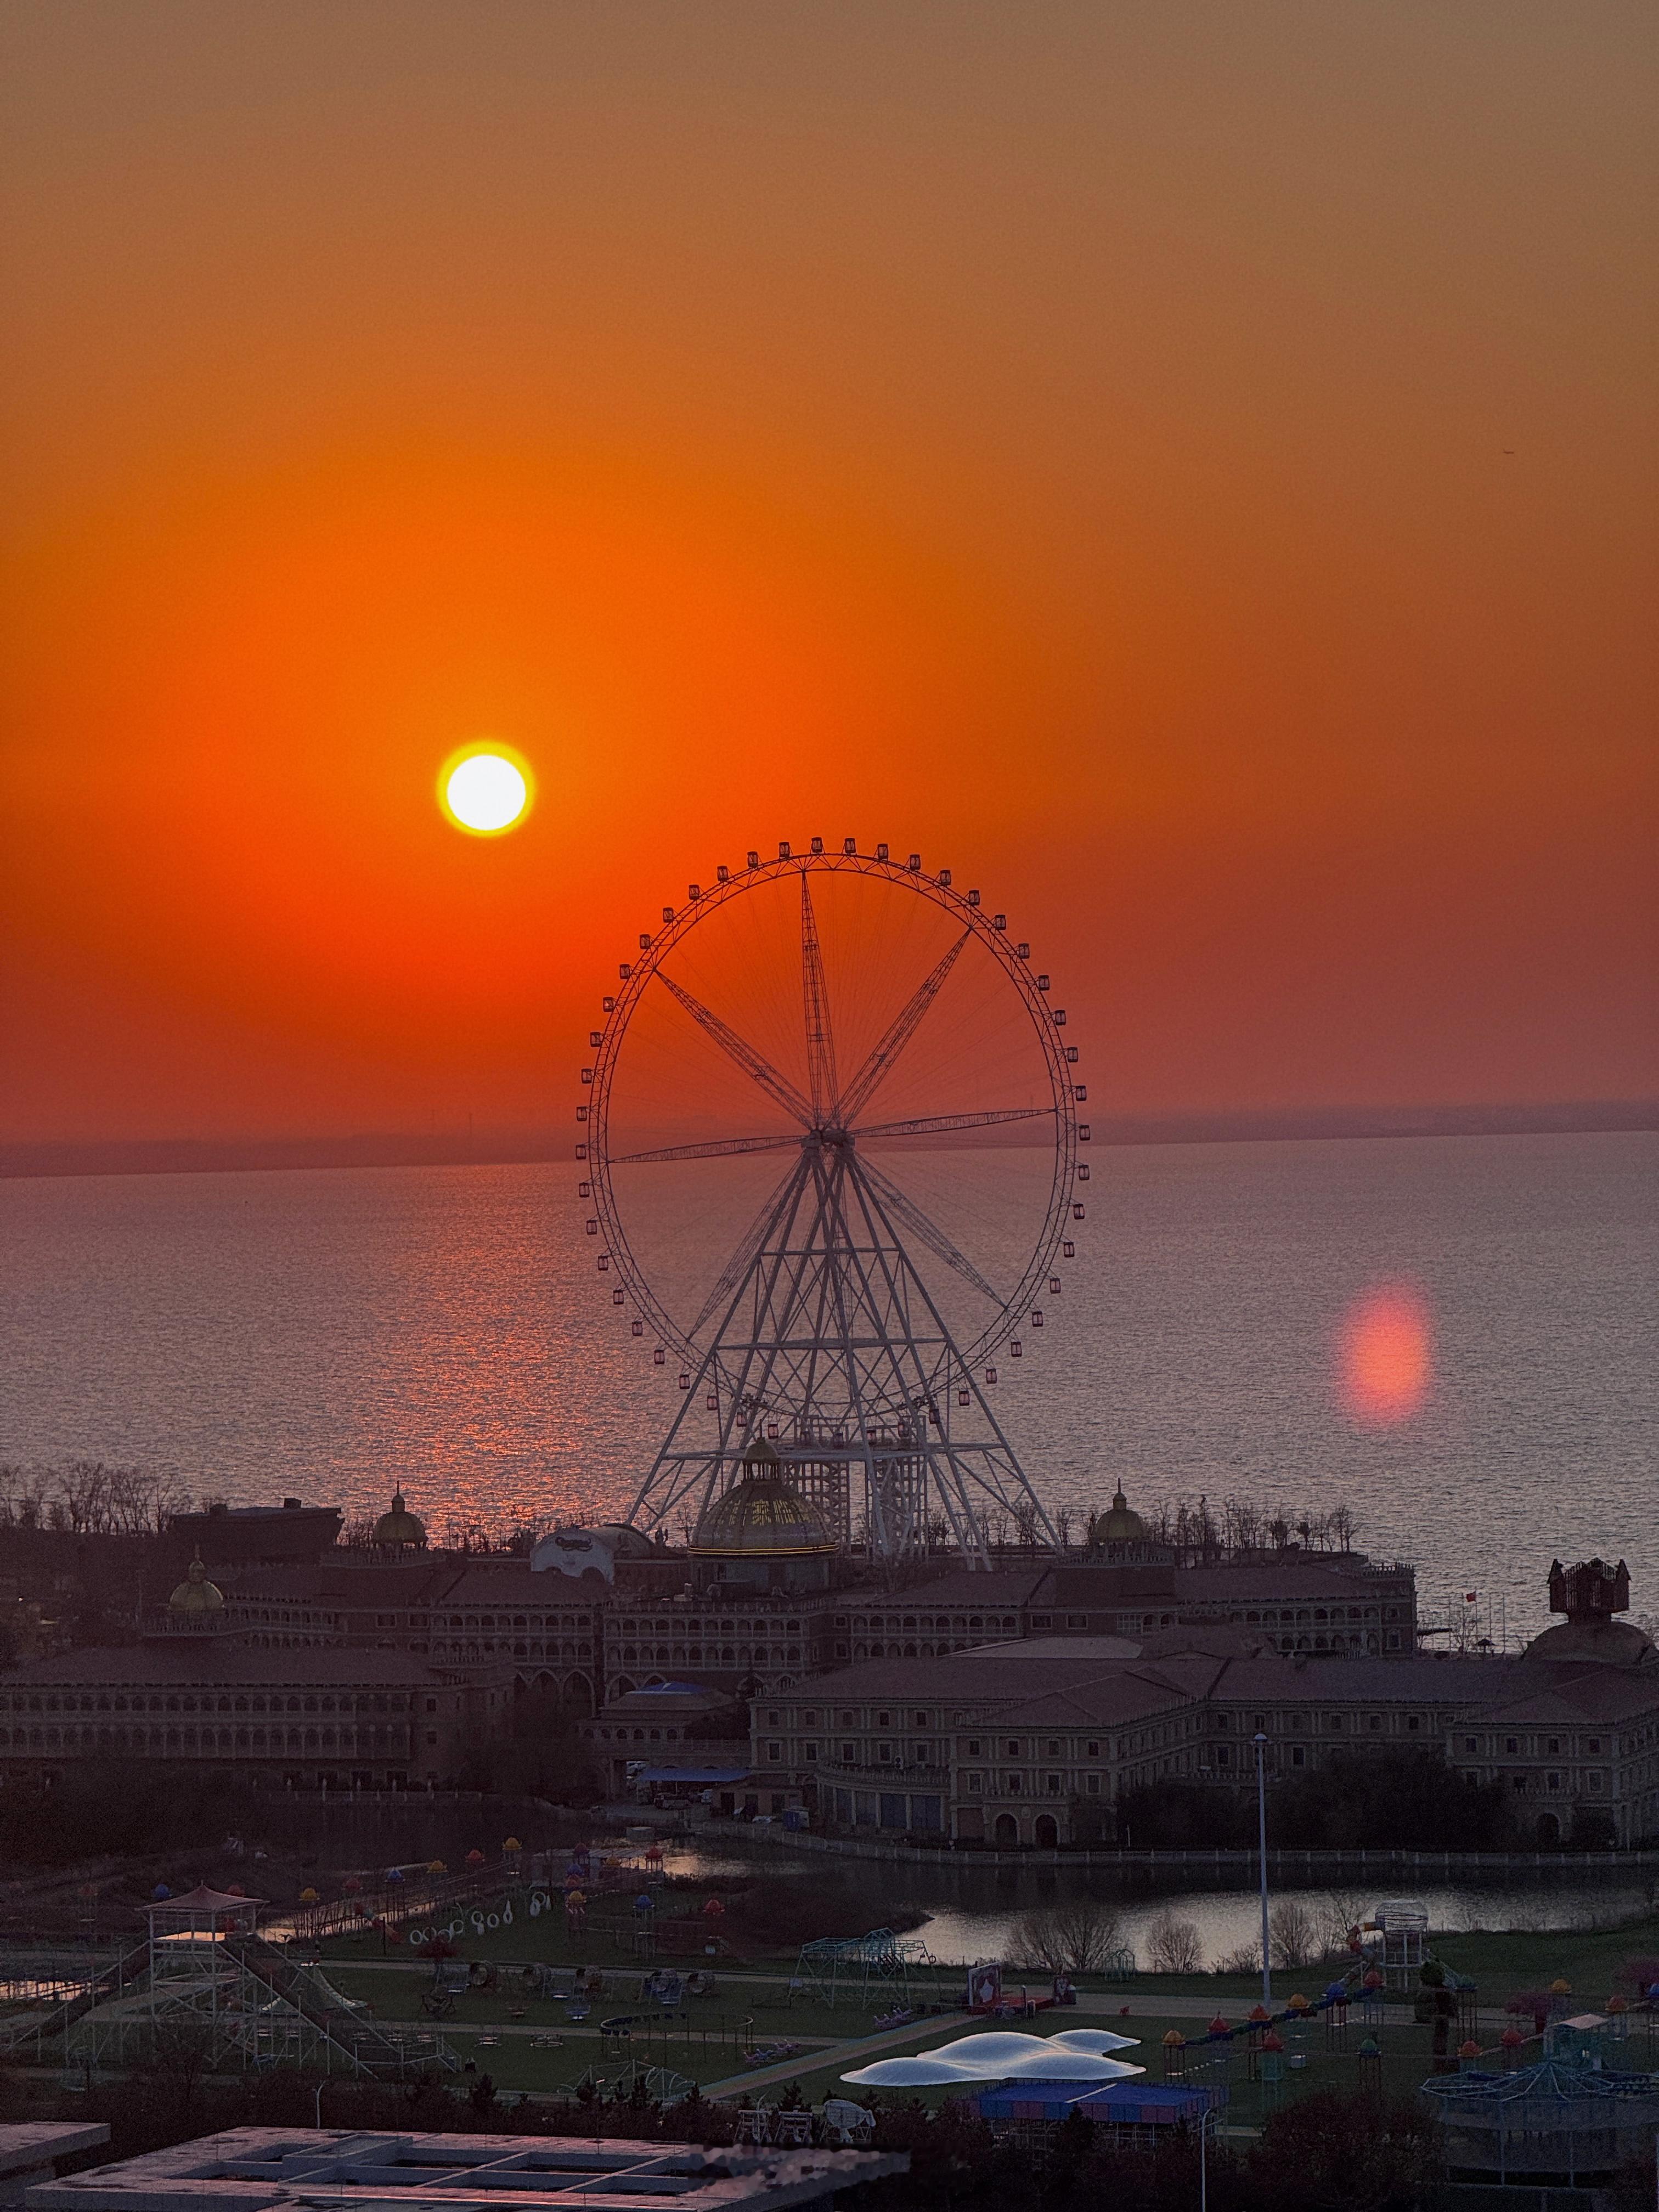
point(331, 1334)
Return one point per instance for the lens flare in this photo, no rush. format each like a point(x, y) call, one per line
point(1384, 1366)
point(486, 789)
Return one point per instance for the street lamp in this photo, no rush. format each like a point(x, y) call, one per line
point(1212, 2112)
point(1261, 1741)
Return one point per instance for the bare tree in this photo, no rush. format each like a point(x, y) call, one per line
point(1344, 1909)
point(1063, 1527)
point(1247, 1960)
point(1241, 1524)
point(1293, 1933)
point(1174, 1946)
point(1077, 1937)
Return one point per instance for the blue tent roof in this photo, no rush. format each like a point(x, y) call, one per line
point(1143, 2102)
point(704, 1775)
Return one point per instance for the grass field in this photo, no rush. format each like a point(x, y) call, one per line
point(753, 2004)
point(515, 2064)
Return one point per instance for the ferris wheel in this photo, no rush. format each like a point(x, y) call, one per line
point(830, 1147)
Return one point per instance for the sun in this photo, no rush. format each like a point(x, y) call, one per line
point(486, 789)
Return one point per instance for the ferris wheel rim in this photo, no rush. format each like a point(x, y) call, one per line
point(678, 923)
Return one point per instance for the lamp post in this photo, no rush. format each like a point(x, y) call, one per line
point(1261, 1741)
point(1214, 2113)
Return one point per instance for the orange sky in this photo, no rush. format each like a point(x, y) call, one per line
point(1188, 467)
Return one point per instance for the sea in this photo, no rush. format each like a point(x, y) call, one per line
point(334, 1333)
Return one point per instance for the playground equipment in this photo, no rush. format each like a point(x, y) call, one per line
point(204, 1973)
point(1403, 1925)
point(1555, 2119)
point(651, 2085)
point(879, 1964)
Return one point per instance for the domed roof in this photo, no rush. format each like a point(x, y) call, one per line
point(1122, 1525)
point(196, 1594)
point(760, 1513)
point(1613, 1643)
point(399, 1526)
point(1589, 1594)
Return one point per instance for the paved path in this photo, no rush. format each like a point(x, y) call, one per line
point(854, 2051)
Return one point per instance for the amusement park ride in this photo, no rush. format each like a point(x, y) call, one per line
point(875, 1035)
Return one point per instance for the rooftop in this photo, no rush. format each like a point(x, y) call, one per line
point(31, 2146)
point(420, 1583)
point(244, 2169)
point(218, 1660)
point(999, 1674)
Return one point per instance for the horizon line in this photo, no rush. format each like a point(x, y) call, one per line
point(49, 1159)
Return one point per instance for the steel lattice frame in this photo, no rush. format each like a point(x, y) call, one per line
point(822, 1306)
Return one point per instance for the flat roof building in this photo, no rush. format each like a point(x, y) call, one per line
point(252, 2169)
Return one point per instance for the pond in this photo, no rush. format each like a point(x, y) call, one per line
point(965, 1911)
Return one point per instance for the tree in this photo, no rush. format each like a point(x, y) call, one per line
point(1332, 2153)
point(1185, 1816)
point(1078, 1937)
point(1174, 1946)
point(1407, 1799)
point(1293, 1934)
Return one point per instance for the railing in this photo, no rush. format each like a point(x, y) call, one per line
point(368, 2046)
point(60, 2018)
point(1284, 1862)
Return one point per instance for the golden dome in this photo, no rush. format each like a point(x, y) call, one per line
point(400, 1526)
point(1122, 1525)
point(760, 1513)
point(196, 1594)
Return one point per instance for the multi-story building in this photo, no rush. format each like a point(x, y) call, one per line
point(485, 1614)
point(758, 1601)
point(1035, 1742)
point(1317, 1603)
point(300, 1713)
point(302, 1718)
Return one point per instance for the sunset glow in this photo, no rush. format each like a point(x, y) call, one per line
point(1385, 1363)
point(485, 792)
point(1069, 443)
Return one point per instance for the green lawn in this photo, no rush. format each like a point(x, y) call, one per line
point(396, 1997)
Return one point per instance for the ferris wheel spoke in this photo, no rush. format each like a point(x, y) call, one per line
point(929, 1125)
point(743, 1257)
point(759, 1070)
point(717, 1148)
point(865, 1084)
point(897, 1202)
point(815, 995)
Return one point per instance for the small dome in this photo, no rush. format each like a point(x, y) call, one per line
point(196, 1594)
point(400, 1526)
point(760, 1513)
point(1122, 1525)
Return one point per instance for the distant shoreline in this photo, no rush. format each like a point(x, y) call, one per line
point(223, 1155)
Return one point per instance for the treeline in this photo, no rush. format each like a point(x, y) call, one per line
point(131, 1808)
point(1194, 1529)
point(89, 1498)
point(1197, 1529)
point(1404, 1800)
